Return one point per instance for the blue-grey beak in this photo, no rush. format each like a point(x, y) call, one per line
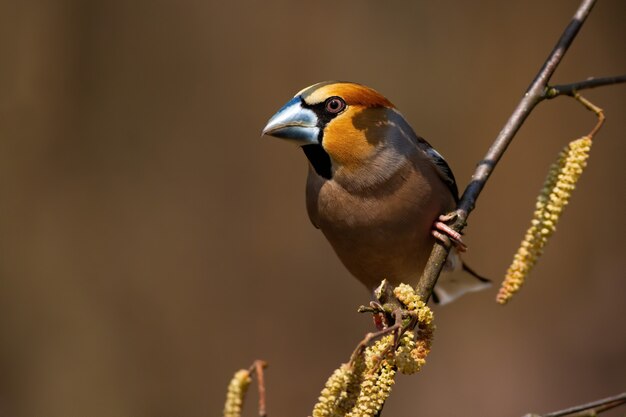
point(294, 122)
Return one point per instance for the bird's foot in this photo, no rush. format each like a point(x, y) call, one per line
point(447, 235)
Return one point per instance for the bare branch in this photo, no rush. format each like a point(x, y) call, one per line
point(589, 409)
point(570, 89)
point(533, 96)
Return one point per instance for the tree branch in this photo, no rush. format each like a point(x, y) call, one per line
point(533, 96)
point(570, 89)
point(588, 409)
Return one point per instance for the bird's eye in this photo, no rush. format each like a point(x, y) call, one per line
point(335, 105)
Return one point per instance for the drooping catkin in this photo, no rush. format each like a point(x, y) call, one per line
point(333, 390)
point(554, 196)
point(341, 390)
point(378, 378)
point(407, 296)
point(236, 392)
point(414, 346)
point(360, 389)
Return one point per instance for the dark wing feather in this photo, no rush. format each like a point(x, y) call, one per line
point(443, 169)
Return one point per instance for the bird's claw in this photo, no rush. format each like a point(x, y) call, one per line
point(444, 233)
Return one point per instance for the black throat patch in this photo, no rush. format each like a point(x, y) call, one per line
point(319, 160)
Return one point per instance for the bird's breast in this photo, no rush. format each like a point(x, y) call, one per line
point(378, 232)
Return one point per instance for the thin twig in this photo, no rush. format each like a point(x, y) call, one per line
point(570, 89)
point(591, 107)
point(396, 329)
point(257, 367)
point(589, 409)
point(534, 95)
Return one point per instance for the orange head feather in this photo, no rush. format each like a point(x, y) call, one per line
point(352, 136)
point(351, 93)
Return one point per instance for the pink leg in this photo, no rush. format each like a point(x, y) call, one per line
point(443, 232)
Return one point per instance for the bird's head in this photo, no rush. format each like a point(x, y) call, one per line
point(336, 123)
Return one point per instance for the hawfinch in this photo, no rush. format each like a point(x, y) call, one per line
point(375, 189)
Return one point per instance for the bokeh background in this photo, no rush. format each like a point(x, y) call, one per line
point(151, 243)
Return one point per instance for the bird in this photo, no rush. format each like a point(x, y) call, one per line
point(380, 194)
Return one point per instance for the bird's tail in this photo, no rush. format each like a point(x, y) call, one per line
point(457, 279)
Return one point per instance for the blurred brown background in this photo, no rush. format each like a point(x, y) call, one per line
point(151, 243)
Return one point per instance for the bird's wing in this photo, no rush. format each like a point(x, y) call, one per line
point(440, 164)
point(443, 169)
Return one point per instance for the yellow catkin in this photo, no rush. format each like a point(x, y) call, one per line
point(360, 389)
point(423, 343)
point(411, 354)
point(405, 360)
point(555, 194)
point(353, 389)
point(414, 347)
point(407, 296)
point(236, 392)
point(341, 391)
point(334, 391)
point(378, 378)
point(375, 390)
